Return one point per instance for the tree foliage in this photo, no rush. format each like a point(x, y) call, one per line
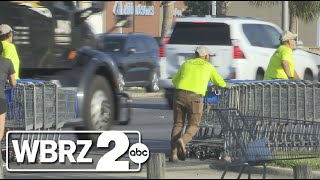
point(202, 8)
point(304, 10)
point(199, 8)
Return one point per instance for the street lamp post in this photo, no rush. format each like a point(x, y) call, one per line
point(214, 8)
point(285, 15)
point(134, 17)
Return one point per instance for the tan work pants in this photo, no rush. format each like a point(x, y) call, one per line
point(190, 105)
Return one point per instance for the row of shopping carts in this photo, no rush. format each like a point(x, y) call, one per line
point(281, 99)
point(39, 105)
point(35, 105)
point(259, 121)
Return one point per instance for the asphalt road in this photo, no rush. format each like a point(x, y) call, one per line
point(153, 118)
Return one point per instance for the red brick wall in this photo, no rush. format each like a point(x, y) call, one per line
point(146, 24)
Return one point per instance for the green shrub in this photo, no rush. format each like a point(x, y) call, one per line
point(313, 162)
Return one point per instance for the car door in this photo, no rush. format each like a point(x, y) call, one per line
point(132, 72)
point(143, 60)
point(147, 58)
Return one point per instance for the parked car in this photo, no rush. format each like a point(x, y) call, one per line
point(136, 55)
point(242, 46)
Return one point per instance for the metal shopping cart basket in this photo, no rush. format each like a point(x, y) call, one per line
point(255, 140)
point(39, 105)
point(274, 98)
point(208, 142)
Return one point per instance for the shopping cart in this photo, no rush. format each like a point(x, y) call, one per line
point(297, 100)
point(253, 140)
point(208, 142)
point(38, 105)
point(274, 98)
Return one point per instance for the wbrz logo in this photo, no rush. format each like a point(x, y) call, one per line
point(65, 151)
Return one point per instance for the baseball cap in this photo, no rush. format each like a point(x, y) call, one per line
point(5, 28)
point(203, 51)
point(287, 35)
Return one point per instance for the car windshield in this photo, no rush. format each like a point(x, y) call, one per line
point(112, 44)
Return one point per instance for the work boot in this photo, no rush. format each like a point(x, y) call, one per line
point(173, 158)
point(181, 150)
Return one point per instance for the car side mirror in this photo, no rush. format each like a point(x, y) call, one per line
point(131, 50)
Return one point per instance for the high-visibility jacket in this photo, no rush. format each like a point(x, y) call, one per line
point(195, 74)
point(275, 69)
point(10, 52)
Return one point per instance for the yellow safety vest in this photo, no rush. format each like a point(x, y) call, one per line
point(10, 52)
point(195, 74)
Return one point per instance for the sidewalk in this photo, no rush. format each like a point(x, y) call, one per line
point(189, 169)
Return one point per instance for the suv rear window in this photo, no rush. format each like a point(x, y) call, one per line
point(201, 33)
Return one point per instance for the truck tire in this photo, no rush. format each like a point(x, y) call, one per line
point(99, 107)
point(260, 74)
point(308, 75)
point(154, 82)
point(170, 102)
point(169, 96)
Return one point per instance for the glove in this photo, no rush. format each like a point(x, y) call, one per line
point(229, 85)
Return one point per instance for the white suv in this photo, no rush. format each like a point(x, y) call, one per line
point(242, 46)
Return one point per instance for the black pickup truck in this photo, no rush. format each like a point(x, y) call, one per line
point(55, 43)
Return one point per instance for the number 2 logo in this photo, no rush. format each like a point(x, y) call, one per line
point(138, 152)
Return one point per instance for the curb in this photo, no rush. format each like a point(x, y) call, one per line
point(270, 170)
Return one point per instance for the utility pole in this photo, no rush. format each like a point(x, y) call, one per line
point(318, 32)
point(285, 15)
point(134, 17)
point(297, 27)
point(214, 8)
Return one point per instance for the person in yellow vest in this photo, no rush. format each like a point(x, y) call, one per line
point(191, 83)
point(281, 65)
point(9, 49)
point(6, 73)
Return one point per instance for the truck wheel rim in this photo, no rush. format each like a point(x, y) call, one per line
point(155, 82)
point(100, 110)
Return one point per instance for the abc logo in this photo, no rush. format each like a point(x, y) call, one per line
point(139, 153)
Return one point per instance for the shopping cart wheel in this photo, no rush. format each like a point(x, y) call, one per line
point(99, 107)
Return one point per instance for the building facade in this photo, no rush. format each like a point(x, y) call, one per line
point(148, 15)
